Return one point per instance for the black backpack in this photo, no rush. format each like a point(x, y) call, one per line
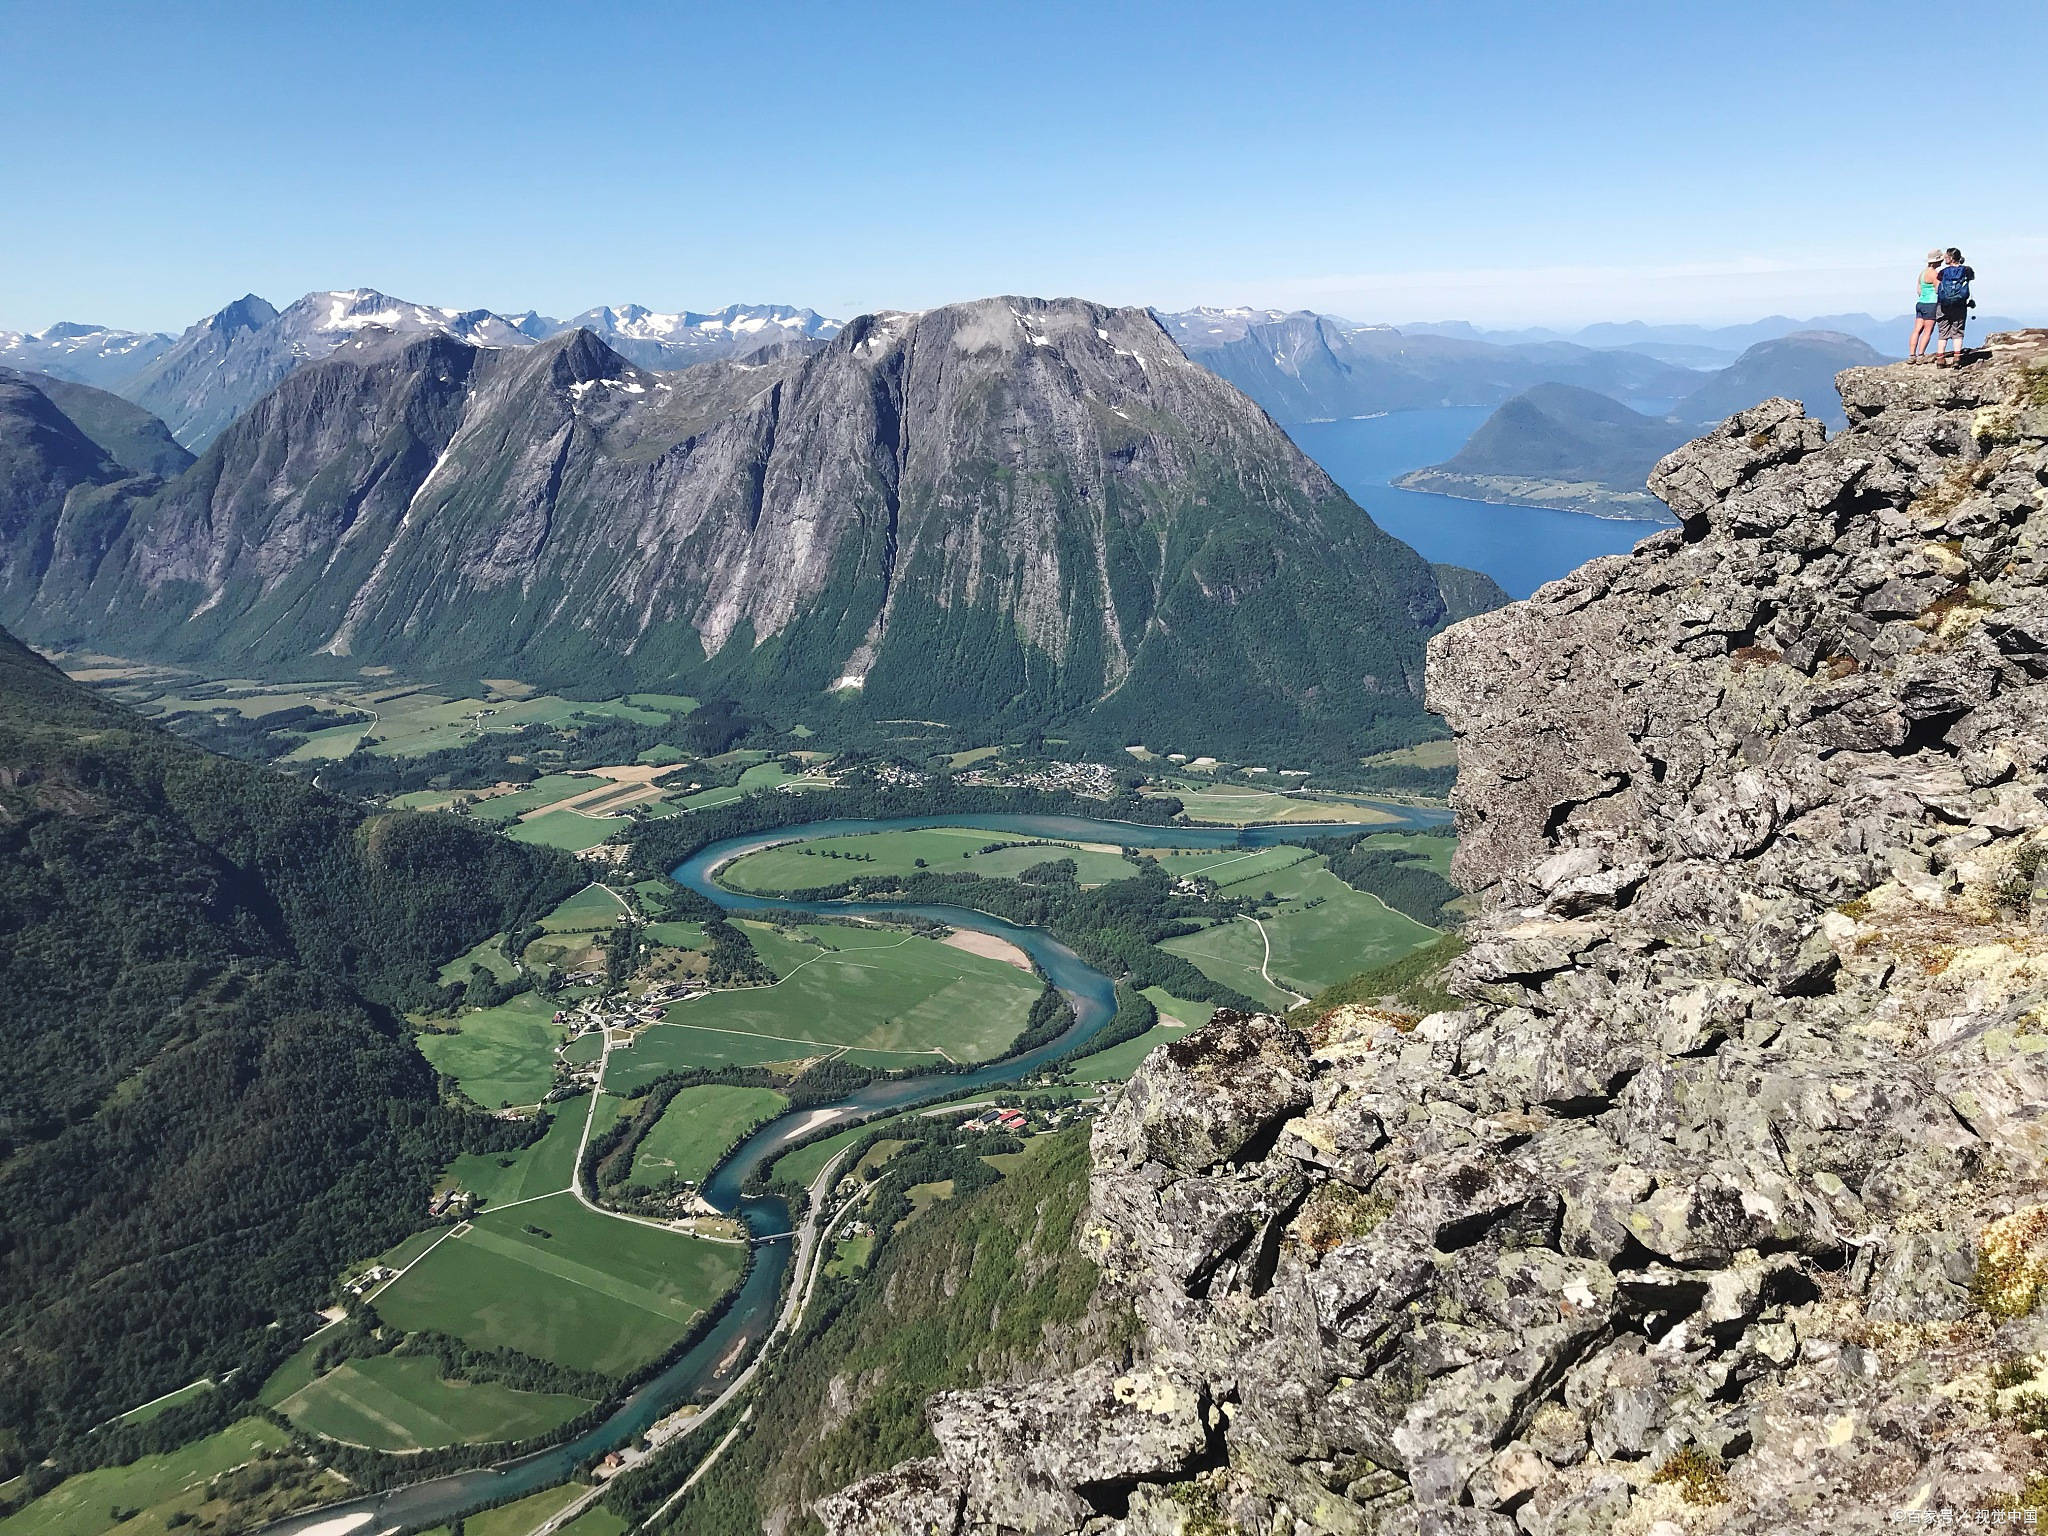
point(1953, 290)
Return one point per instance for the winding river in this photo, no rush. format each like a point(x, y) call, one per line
point(723, 1351)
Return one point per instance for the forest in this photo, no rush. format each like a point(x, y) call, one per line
point(214, 1103)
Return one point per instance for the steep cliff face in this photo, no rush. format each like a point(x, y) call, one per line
point(1721, 1203)
point(1006, 511)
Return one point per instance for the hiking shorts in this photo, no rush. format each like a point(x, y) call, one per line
point(1951, 320)
point(1926, 311)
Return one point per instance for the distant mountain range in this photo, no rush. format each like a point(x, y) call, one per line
point(1556, 445)
point(200, 381)
point(1303, 366)
point(996, 514)
point(85, 354)
point(1703, 346)
point(1309, 367)
point(679, 340)
point(1300, 366)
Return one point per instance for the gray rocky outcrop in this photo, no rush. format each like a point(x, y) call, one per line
point(1720, 1204)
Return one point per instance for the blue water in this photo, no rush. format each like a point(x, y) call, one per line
point(709, 1364)
point(1519, 547)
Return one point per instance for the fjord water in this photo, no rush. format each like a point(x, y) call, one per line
point(1519, 547)
point(707, 1365)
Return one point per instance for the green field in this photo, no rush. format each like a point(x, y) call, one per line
point(401, 1403)
point(157, 1486)
point(594, 1521)
point(544, 1168)
point(759, 776)
point(524, 1516)
point(415, 721)
point(1116, 1064)
point(1434, 851)
point(805, 1163)
point(589, 910)
point(169, 1400)
point(543, 791)
point(490, 955)
point(566, 830)
point(677, 935)
point(1235, 869)
point(874, 990)
point(596, 1292)
point(850, 1256)
point(296, 1372)
point(503, 1055)
point(1238, 807)
point(1314, 946)
point(1170, 1007)
point(949, 850)
point(697, 1127)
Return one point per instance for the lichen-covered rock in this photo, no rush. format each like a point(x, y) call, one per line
point(1721, 1204)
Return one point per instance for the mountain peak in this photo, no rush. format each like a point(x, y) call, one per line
point(248, 313)
point(942, 503)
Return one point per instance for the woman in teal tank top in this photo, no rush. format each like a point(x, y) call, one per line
point(1924, 310)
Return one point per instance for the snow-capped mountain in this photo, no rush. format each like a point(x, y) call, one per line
point(202, 380)
point(234, 357)
point(655, 340)
point(98, 355)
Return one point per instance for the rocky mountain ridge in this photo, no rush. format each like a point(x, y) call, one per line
point(683, 339)
point(1013, 510)
point(99, 355)
point(1720, 1203)
point(200, 381)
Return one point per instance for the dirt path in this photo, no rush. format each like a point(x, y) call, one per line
point(1266, 940)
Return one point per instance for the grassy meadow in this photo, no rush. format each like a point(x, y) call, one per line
point(500, 1056)
point(402, 1403)
point(872, 990)
point(946, 850)
point(545, 1168)
point(565, 1283)
point(1323, 932)
point(157, 1489)
point(1240, 805)
point(696, 1128)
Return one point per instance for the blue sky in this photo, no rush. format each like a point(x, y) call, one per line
point(1511, 163)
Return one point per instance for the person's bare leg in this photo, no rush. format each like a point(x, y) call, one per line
point(1922, 329)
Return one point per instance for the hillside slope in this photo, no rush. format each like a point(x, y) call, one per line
point(1557, 445)
point(209, 1101)
point(1720, 1197)
point(1801, 366)
point(1000, 513)
point(129, 435)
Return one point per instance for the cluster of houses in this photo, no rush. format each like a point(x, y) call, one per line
point(452, 1202)
point(370, 1278)
point(1096, 780)
point(997, 1119)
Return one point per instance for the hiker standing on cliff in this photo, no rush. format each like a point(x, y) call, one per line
point(1924, 311)
point(1952, 307)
